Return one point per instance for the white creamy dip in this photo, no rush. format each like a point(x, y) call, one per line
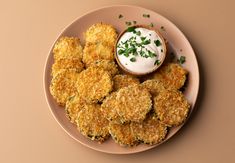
point(140, 50)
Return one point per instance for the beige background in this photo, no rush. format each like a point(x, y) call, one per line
point(28, 132)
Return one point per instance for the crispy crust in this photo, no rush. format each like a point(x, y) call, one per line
point(153, 86)
point(121, 81)
point(92, 124)
point(67, 47)
point(97, 51)
point(171, 107)
point(150, 131)
point(109, 109)
point(63, 85)
point(94, 84)
point(122, 134)
point(101, 32)
point(73, 106)
point(133, 103)
point(172, 75)
point(107, 65)
point(67, 63)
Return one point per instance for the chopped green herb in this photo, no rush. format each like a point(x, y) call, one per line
point(120, 16)
point(151, 24)
point(130, 29)
point(133, 59)
point(151, 54)
point(157, 62)
point(157, 42)
point(142, 38)
point(138, 33)
point(121, 51)
point(128, 23)
point(146, 42)
point(162, 28)
point(146, 15)
point(182, 59)
point(134, 22)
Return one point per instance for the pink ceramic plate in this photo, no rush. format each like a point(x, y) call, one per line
point(177, 42)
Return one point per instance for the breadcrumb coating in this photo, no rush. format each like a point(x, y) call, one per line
point(172, 75)
point(171, 107)
point(133, 103)
point(67, 47)
point(92, 124)
point(150, 131)
point(63, 85)
point(153, 86)
point(109, 109)
point(107, 65)
point(121, 81)
point(73, 106)
point(67, 63)
point(122, 134)
point(94, 84)
point(101, 32)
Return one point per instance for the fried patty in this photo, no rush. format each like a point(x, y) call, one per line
point(172, 75)
point(122, 134)
point(107, 65)
point(133, 103)
point(67, 47)
point(171, 107)
point(121, 81)
point(73, 106)
point(94, 84)
point(67, 63)
point(97, 51)
point(150, 131)
point(101, 32)
point(153, 86)
point(63, 85)
point(92, 124)
point(109, 109)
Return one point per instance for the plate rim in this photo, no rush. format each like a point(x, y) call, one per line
point(46, 65)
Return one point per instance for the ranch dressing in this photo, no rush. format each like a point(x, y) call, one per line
point(140, 50)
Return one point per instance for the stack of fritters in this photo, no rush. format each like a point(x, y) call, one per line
point(101, 102)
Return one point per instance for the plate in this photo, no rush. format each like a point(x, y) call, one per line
point(177, 43)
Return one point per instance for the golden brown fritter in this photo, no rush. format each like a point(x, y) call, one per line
point(150, 131)
point(67, 63)
point(153, 86)
point(121, 81)
point(171, 107)
point(94, 84)
point(122, 134)
point(67, 47)
point(101, 32)
point(92, 124)
point(109, 109)
point(107, 65)
point(172, 75)
point(133, 103)
point(63, 85)
point(73, 106)
point(97, 51)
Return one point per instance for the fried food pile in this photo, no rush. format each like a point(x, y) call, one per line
point(103, 101)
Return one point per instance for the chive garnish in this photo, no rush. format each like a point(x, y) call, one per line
point(128, 23)
point(181, 60)
point(120, 16)
point(157, 62)
point(133, 59)
point(130, 29)
point(157, 42)
point(151, 24)
point(146, 15)
point(138, 33)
